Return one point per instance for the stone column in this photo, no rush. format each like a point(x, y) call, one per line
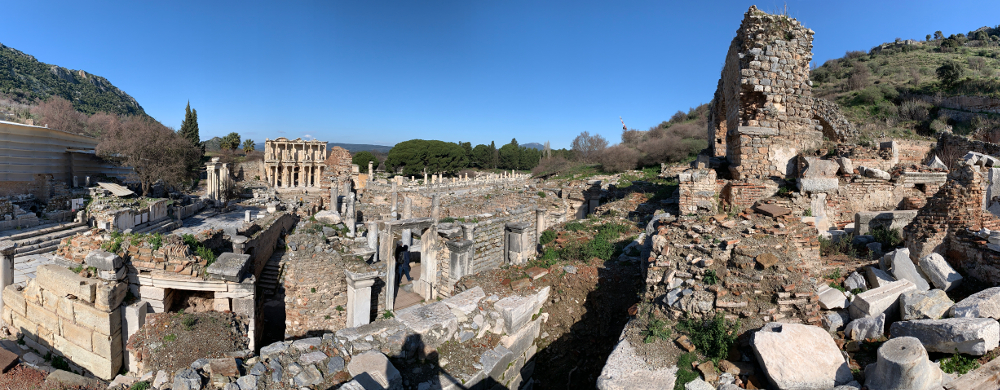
point(435, 208)
point(359, 297)
point(516, 244)
point(387, 247)
point(350, 217)
point(393, 199)
point(407, 214)
point(539, 224)
point(371, 172)
point(373, 238)
point(427, 284)
point(425, 178)
point(7, 249)
point(334, 196)
point(239, 244)
point(468, 231)
point(246, 216)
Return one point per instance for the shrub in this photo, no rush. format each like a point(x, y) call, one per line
point(547, 237)
point(541, 194)
point(710, 278)
point(684, 372)
point(189, 322)
point(657, 329)
point(574, 226)
point(949, 73)
point(156, 241)
point(713, 337)
point(959, 364)
point(206, 254)
point(618, 158)
point(888, 238)
point(59, 363)
point(170, 337)
point(913, 110)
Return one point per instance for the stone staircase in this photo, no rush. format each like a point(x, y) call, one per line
point(162, 226)
point(43, 239)
point(272, 276)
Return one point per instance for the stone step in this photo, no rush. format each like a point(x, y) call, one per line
point(52, 236)
point(40, 230)
point(39, 251)
point(159, 227)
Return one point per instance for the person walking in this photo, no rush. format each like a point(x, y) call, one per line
point(405, 264)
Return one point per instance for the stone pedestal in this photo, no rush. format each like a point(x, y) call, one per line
point(239, 243)
point(461, 258)
point(517, 245)
point(467, 231)
point(6, 268)
point(903, 364)
point(246, 216)
point(359, 297)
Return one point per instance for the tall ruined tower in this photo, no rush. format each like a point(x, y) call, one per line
point(761, 115)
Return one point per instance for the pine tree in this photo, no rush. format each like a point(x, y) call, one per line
point(189, 128)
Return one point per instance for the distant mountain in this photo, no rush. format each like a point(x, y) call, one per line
point(215, 145)
point(354, 148)
point(534, 145)
point(29, 81)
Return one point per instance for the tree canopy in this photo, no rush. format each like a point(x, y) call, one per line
point(415, 155)
point(189, 127)
point(231, 141)
point(153, 151)
point(362, 158)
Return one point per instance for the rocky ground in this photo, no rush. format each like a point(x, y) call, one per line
point(170, 341)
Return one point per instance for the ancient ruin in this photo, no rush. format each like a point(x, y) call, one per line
point(295, 163)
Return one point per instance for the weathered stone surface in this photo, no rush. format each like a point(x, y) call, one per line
point(819, 184)
point(104, 261)
point(865, 221)
point(932, 304)
point(875, 173)
point(274, 349)
point(328, 216)
point(903, 268)
point(62, 282)
point(846, 166)
point(625, 370)
point(767, 260)
point(312, 358)
point(187, 379)
point(983, 304)
point(309, 376)
point(60, 379)
point(773, 210)
point(973, 336)
point(698, 384)
point(224, 367)
point(866, 328)
point(248, 382)
point(877, 277)
point(903, 365)
point(936, 163)
point(835, 320)
point(467, 301)
point(374, 369)
point(795, 356)
point(855, 281)
point(517, 310)
point(880, 300)
point(435, 323)
point(831, 298)
point(940, 272)
point(496, 361)
point(8, 359)
point(229, 266)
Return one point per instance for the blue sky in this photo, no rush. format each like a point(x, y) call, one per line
point(383, 72)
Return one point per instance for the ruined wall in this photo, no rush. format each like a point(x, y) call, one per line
point(260, 245)
point(28, 151)
point(315, 286)
point(698, 191)
point(766, 94)
point(76, 317)
point(956, 206)
point(951, 147)
point(831, 120)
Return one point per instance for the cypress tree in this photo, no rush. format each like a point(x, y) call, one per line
point(189, 128)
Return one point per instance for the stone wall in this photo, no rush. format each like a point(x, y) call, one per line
point(76, 317)
point(698, 191)
point(765, 93)
point(957, 206)
point(833, 124)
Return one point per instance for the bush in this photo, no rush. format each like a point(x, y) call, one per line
point(949, 73)
point(574, 226)
point(888, 238)
point(657, 329)
point(713, 337)
point(547, 236)
point(913, 110)
point(959, 364)
point(189, 322)
point(618, 158)
point(140, 386)
point(710, 278)
point(684, 372)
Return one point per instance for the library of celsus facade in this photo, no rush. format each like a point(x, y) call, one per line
point(294, 163)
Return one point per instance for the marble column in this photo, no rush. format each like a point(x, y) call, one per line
point(334, 196)
point(7, 249)
point(539, 224)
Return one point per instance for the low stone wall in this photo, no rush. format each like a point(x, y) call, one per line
point(72, 316)
point(698, 191)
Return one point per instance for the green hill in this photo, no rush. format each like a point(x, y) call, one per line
point(894, 89)
point(26, 80)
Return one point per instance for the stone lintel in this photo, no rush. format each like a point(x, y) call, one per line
point(229, 266)
point(360, 280)
point(459, 245)
point(757, 130)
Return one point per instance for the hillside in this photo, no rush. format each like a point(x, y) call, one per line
point(894, 90)
point(26, 80)
point(354, 148)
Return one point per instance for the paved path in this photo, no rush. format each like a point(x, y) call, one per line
point(205, 220)
point(25, 266)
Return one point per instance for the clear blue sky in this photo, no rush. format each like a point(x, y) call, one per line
point(383, 72)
